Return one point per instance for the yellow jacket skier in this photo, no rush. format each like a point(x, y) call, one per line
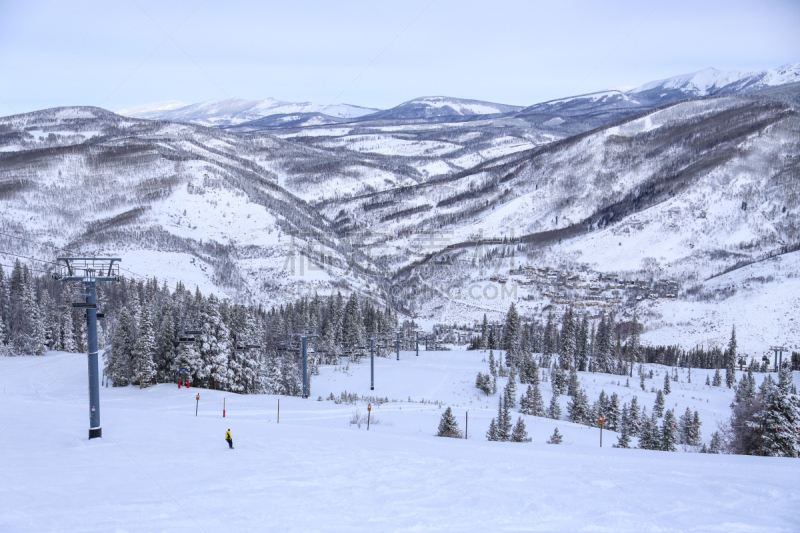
point(229, 439)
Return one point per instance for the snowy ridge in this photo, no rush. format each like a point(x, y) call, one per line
point(234, 111)
point(712, 81)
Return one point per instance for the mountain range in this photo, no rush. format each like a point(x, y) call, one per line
point(677, 200)
point(255, 113)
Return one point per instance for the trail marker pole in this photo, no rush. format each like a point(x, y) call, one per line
point(223, 408)
point(198, 404)
point(369, 412)
point(417, 343)
point(398, 345)
point(466, 427)
point(601, 421)
point(279, 410)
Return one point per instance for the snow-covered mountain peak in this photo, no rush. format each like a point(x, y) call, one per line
point(233, 111)
point(459, 106)
point(711, 81)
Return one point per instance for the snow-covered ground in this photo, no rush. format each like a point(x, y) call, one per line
point(158, 468)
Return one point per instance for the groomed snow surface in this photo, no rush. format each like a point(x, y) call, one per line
point(159, 467)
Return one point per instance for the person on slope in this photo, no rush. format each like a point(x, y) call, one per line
point(229, 439)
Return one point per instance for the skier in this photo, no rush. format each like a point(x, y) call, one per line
point(229, 439)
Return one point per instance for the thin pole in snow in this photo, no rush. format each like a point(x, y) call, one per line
point(279, 410)
point(466, 427)
point(223, 408)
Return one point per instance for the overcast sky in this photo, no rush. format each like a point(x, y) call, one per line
point(117, 54)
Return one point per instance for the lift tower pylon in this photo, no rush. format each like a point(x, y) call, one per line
point(90, 270)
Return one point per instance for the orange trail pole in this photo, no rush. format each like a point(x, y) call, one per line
point(223, 408)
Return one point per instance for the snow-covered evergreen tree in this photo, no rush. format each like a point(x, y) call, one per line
point(491, 434)
point(143, 363)
point(612, 413)
point(658, 406)
point(717, 379)
point(730, 360)
point(503, 420)
point(555, 438)
point(634, 420)
point(716, 443)
point(781, 420)
point(669, 432)
point(214, 345)
point(519, 433)
point(119, 358)
point(578, 407)
point(554, 410)
point(448, 426)
point(512, 335)
point(623, 441)
point(510, 392)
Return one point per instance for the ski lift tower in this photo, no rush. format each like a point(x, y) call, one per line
point(90, 270)
point(778, 356)
point(304, 338)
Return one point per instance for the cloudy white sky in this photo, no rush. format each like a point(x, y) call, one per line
point(122, 53)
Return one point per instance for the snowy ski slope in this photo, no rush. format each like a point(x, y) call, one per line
point(160, 468)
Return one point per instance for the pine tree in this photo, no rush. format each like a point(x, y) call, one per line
point(642, 383)
point(519, 434)
point(510, 391)
point(669, 433)
point(512, 335)
point(685, 427)
point(526, 402)
point(717, 379)
point(555, 438)
point(144, 367)
point(667, 388)
point(574, 383)
point(492, 364)
point(694, 434)
point(484, 329)
point(5, 349)
point(578, 407)
point(483, 382)
point(716, 443)
point(730, 363)
point(448, 426)
point(215, 345)
point(492, 433)
point(645, 433)
point(623, 441)
point(559, 381)
point(708, 382)
point(537, 404)
point(633, 417)
point(658, 406)
point(781, 420)
point(568, 339)
point(119, 357)
point(612, 414)
point(554, 410)
point(66, 335)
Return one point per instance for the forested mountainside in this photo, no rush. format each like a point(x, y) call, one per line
point(636, 213)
